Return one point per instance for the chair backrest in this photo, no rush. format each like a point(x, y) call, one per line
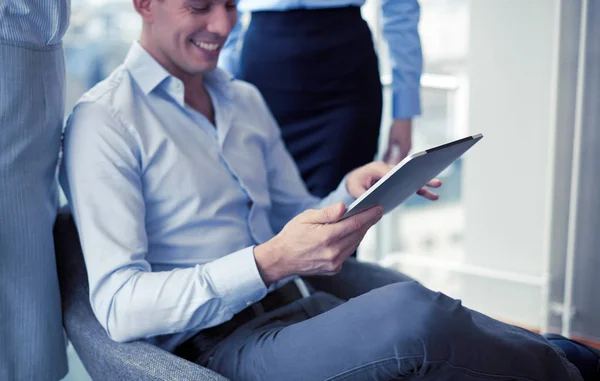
point(103, 358)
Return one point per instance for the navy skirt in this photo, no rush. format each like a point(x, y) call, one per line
point(319, 74)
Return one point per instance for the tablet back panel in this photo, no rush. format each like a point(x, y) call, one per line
point(410, 175)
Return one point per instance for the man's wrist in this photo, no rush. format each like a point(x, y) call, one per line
point(267, 262)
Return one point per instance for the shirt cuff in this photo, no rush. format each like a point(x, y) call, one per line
point(276, 285)
point(406, 103)
point(236, 279)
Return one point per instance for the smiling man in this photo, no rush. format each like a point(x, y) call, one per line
point(195, 226)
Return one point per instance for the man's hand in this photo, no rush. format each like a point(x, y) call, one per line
point(363, 178)
point(315, 242)
point(400, 141)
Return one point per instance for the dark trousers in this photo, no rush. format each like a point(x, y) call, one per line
point(318, 72)
point(397, 332)
point(379, 326)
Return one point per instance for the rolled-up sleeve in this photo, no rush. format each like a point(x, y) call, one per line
point(102, 177)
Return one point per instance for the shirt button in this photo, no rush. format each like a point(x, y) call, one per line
point(248, 303)
point(250, 203)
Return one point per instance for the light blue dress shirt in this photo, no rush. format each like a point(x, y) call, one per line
point(168, 206)
point(37, 22)
point(400, 20)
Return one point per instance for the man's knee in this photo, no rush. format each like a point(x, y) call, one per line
point(409, 310)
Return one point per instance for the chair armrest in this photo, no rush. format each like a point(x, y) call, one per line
point(356, 278)
point(103, 358)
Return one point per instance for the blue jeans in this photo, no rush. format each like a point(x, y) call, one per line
point(399, 331)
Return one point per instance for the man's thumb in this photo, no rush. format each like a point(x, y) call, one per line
point(331, 214)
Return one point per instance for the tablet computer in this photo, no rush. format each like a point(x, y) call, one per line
point(410, 175)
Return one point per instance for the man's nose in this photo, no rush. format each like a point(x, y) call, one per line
point(221, 21)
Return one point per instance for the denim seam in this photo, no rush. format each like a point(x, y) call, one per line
point(345, 375)
point(349, 373)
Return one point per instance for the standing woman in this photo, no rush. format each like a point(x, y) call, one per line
point(32, 86)
point(315, 64)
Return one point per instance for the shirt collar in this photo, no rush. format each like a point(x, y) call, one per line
point(144, 69)
point(220, 81)
point(149, 74)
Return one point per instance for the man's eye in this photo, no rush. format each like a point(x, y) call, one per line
point(199, 10)
point(231, 5)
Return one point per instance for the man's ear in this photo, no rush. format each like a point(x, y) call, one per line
point(145, 9)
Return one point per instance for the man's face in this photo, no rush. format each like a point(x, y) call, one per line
point(187, 35)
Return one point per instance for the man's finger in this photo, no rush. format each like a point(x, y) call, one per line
point(328, 215)
point(424, 192)
point(435, 183)
point(346, 245)
point(350, 243)
point(332, 213)
point(356, 223)
point(380, 169)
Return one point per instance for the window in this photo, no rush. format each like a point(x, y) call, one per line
point(421, 229)
point(523, 76)
point(97, 41)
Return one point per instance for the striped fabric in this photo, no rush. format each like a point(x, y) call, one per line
point(38, 22)
point(32, 75)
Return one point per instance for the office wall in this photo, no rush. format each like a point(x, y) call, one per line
point(506, 178)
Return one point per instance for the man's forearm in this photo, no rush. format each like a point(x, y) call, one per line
point(134, 304)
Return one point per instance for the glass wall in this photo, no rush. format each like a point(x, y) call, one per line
point(96, 42)
point(420, 231)
point(513, 70)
